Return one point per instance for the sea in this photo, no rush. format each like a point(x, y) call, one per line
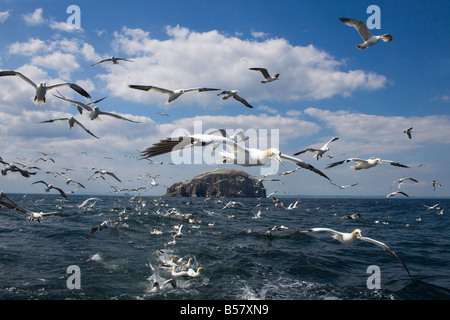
point(54, 259)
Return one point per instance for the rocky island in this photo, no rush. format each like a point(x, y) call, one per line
point(228, 183)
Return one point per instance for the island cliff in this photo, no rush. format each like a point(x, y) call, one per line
point(229, 183)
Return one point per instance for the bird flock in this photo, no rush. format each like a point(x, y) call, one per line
point(239, 155)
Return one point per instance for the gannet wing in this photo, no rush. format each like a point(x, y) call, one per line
point(393, 163)
point(334, 164)
point(264, 71)
point(303, 164)
point(360, 26)
point(116, 116)
point(326, 144)
point(242, 100)
point(148, 88)
point(386, 248)
point(306, 150)
point(73, 86)
point(200, 89)
point(95, 102)
point(15, 73)
point(79, 123)
point(77, 103)
point(104, 60)
point(53, 120)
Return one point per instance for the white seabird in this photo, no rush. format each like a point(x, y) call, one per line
point(366, 164)
point(71, 121)
point(102, 173)
point(318, 152)
point(157, 282)
point(267, 76)
point(173, 94)
point(94, 112)
point(50, 186)
point(348, 238)
point(189, 273)
point(402, 180)
point(88, 200)
point(113, 59)
point(234, 93)
point(42, 88)
point(345, 186)
point(368, 37)
point(241, 156)
point(392, 194)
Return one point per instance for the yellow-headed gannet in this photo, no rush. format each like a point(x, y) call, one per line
point(366, 164)
point(369, 39)
point(241, 156)
point(42, 88)
point(348, 238)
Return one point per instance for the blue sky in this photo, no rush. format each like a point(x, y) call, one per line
point(327, 88)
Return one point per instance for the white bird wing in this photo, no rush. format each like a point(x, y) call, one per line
point(77, 103)
point(360, 26)
point(73, 86)
point(113, 175)
point(393, 163)
point(264, 72)
point(357, 160)
point(326, 144)
point(148, 88)
point(114, 115)
point(87, 200)
point(303, 164)
point(242, 100)
point(53, 120)
point(84, 128)
point(386, 248)
point(306, 150)
point(15, 73)
point(104, 60)
point(200, 89)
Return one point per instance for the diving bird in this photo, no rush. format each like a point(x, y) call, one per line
point(318, 152)
point(71, 120)
point(50, 186)
point(42, 88)
point(113, 59)
point(173, 94)
point(94, 112)
point(348, 238)
point(234, 93)
point(369, 39)
point(408, 132)
point(241, 156)
point(366, 164)
point(266, 75)
point(101, 226)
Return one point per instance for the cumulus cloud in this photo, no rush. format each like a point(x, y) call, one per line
point(191, 59)
point(4, 15)
point(34, 18)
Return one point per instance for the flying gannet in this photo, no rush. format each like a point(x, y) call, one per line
point(71, 120)
point(234, 93)
point(42, 88)
point(172, 94)
point(241, 156)
point(113, 59)
point(50, 186)
point(369, 39)
point(94, 112)
point(408, 132)
point(348, 238)
point(366, 164)
point(267, 76)
point(318, 152)
point(402, 180)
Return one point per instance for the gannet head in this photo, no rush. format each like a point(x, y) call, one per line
point(386, 37)
point(357, 232)
point(199, 269)
point(274, 154)
point(42, 84)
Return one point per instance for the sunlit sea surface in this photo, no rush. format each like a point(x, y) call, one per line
point(239, 260)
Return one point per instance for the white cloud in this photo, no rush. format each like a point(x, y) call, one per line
point(192, 59)
point(4, 15)
point(64, 63)
point(34, 18)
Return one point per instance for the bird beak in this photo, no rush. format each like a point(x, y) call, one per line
point(277, 158)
